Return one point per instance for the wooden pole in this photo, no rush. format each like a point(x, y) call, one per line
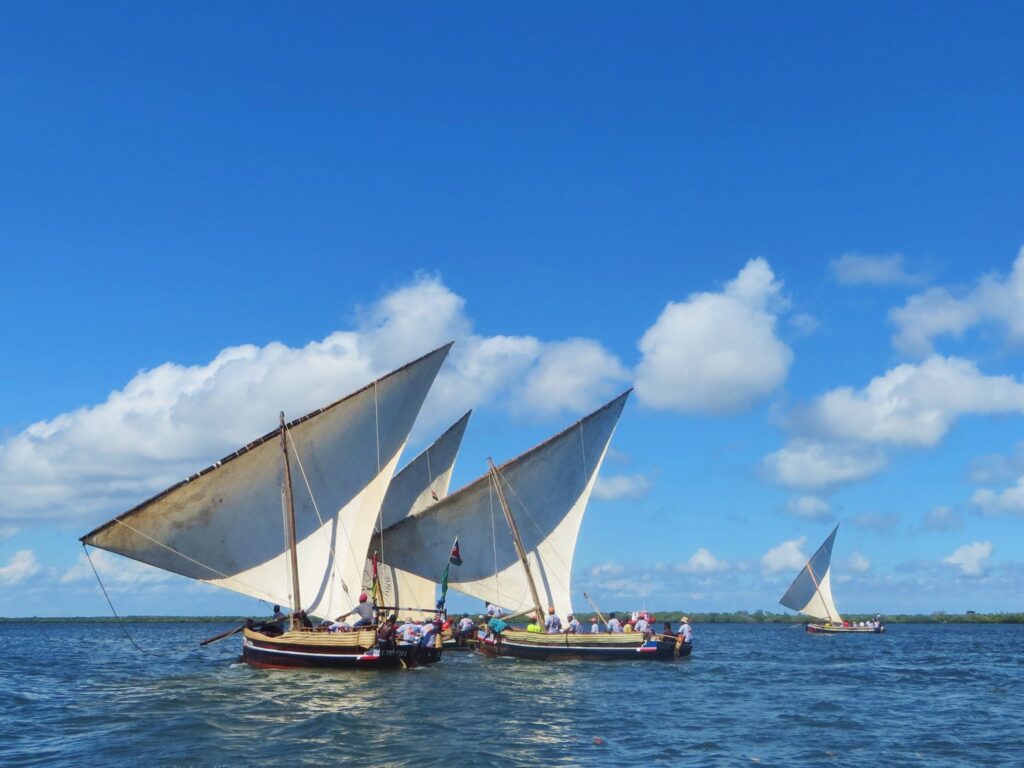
point(514, 530)
point(290, 517)
point(596, 610)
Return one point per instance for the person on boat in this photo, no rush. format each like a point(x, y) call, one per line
point(278, 618)
point(302, 620)
point(641, 624)
point(553, 625)
point(365, 611)
point(408, 632)
point(614, 625)
point(386, 632)
point(465, 624)
point(534, 625)
point(685, 629)
point(666, 629)
point(493, 610)
point(573, 627)
point(429, 633)
point(594, 626)
point(628, 626)
point(496, 626)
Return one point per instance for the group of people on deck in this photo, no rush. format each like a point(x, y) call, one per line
point(640, 621)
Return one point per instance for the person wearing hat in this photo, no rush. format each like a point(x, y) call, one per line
point(573, 626)
point(594, 626)
point(614, 625)
point(430, 631)
point(364, 609)
point(685, 629)
point(553, 625)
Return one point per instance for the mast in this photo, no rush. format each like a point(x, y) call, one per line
point(514, 530)
point(289, 502)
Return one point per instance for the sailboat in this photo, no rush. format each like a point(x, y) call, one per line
point(326, 475)
point(811, 594)
point(517, 528)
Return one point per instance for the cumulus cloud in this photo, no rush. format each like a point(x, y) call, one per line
point(810, 508)
point(115, 572)
point(942, 519)
point(621, 487)
point(857, 563)
point(171, 420)
point(785, 557)
point(21, 566)
point(810, 464)
point(716, 352)
point(858, 269)
point(1009, 500)
point(938, 312)
point(702, 561)
point(971, 559)
point(914, 404)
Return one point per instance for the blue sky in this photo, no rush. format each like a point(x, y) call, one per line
point(795, 230)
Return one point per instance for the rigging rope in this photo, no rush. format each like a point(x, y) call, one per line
point(104, 589)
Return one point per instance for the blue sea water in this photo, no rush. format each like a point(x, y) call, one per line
point(770, 695)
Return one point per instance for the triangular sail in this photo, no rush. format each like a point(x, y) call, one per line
point(421, 483)
point(811, 591)
point(224, 524)
point(547, 489)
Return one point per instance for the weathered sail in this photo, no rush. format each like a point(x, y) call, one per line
point(421, 483)
point(224, 524)
point(811, 591)
point(547, 489)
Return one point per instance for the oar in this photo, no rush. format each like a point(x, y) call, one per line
point(222, 635)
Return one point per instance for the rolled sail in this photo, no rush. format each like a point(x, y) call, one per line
point(421, 483)
point(547, 489)
point(224, 524)
point(811, 592)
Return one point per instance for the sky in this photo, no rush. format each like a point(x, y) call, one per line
point(795, 230)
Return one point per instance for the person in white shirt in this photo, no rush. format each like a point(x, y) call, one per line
point(641, 625)
point(614, 625)
point(409, 632)
point(594, 626)
point(573, 627)
point(685, 629)
point(553, 625)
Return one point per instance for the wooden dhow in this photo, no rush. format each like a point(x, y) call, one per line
point(223, 525)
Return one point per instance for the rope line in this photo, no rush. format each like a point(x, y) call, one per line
point(119, 622)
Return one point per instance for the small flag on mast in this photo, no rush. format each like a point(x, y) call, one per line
point(453, 559)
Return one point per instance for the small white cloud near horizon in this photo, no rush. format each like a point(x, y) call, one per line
point(614, 487)
point(716, 353)
point(862, 269)
point(971, 559)
point(809, 464)
point(702, 561)
point(938, 312)
point(785, 557)
point(810, 508)
point(22, 565)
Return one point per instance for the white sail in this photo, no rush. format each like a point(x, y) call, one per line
point(421, 483)
point(224, 524)
point(811, 591)
point(547, 489)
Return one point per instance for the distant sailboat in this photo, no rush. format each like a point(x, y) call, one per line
point(811, 594)
point(223, 525)
point(517, 528)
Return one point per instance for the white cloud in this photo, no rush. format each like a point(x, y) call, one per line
point(169, 421)
point(810, 508)
point(937, 312)
point(876, 521)
point(942, 519)
point(810, 464)
point(785, 557)
point(857, 563)
point(855, 269)
point(21, 566)
point(115, 572)
point(702, 561)
point(804, 324)
point(1009, 500)
point(914, 404)
point(971, 559)
point(621, 487)
point(571, 375)
point(7, 531)
point(716, 352)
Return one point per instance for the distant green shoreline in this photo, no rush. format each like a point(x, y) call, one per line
point(739, 617)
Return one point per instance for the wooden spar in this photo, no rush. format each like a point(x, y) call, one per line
point(596, 609)
point(222, 635)
point(814, 580)
point(514, 530)
point(290, 526)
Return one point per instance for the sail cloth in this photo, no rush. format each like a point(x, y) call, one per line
point(224, 524)
point(811, 591)
point(421, 483)
point(547, 489)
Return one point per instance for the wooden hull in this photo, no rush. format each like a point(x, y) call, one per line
point(321, 650)
point(828, 629)
point(602, 647)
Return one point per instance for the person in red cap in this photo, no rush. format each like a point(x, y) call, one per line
point(365, 609)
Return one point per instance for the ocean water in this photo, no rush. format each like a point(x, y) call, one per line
point(936, 695)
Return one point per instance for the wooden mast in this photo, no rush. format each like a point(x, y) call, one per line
point(290, 525)
point(514, 530)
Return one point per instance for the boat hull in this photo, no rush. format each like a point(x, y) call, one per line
point(319, 650)
point(825, 629)
point(521, 645)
